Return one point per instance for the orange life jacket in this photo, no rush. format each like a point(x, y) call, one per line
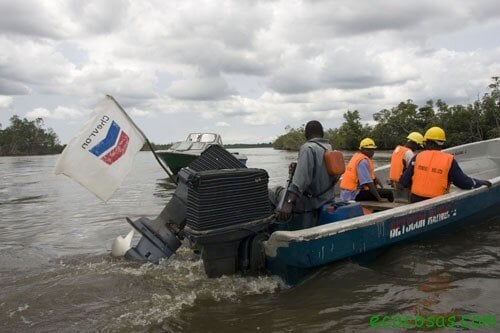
point(350, 179)
point(430, 173)
point(397, 163)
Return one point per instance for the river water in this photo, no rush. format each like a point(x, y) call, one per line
point(57, 274)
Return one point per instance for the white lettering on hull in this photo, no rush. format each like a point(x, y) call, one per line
point(408, 224)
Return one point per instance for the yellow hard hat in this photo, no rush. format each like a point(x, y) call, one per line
point(416, 137)
point(367, 143)
point(435, 134)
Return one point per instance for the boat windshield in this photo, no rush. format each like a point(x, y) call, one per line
point(203, 137)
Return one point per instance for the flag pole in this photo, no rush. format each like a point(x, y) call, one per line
point(147, 140)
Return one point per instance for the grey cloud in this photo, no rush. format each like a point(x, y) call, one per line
point(234, 110)
point(342, 69)
point(330, 20)
point(206, 88)
point(386, 15)
point(98, 17)
point(8, 87)
point(29, 18)
point(234, 24)
point(60, 20)
point(402, 19)
point(295, 77)
point(36, 68)
point(213, 57)
point(362, 79)
point(126, 83)
point(218, 38)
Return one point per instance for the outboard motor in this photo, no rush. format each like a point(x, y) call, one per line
point(161, 236)
point(223, 209)
point(228, 214)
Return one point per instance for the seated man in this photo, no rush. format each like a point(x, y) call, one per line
point(400, 159)
point(431, 171)
point(358, 181)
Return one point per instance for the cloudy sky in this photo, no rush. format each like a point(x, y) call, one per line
point(245, 69)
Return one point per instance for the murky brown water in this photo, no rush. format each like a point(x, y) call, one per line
point(56, 273)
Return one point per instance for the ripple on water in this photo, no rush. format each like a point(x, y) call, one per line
point(128, 295)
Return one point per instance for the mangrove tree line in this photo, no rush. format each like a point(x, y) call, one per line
point(28, 137)
point(462, 123)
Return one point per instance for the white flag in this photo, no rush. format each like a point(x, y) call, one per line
point(102, 153)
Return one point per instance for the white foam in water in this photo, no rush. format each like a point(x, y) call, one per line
point(161, 307)
point(19, 309)
point(179, 283)
point(158, 309)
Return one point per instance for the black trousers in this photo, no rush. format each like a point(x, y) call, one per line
point(417, 198)
point(366, 195)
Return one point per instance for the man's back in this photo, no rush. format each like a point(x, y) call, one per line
point(311, 178)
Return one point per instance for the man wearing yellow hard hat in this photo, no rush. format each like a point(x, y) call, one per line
point(358, 181)
point(400, 159)
point(431, 171)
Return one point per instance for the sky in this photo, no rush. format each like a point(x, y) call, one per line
point(245, 69)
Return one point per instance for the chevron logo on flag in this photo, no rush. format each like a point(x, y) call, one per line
point(110, 136)
point(115, 139)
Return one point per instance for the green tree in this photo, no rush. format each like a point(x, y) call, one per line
point(458, 124)
point(292, 140)
point(335, 138)
point(394, 125)
point(28, 137)
point(352, 131)
point(425, 117)
point(490, 105)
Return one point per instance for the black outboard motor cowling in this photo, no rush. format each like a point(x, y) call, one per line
point(228, 214)
point(221, 206)
point(161, 236)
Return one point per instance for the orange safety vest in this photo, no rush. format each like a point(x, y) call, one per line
point(430, 173)
point(350, 179)
point(397, 163)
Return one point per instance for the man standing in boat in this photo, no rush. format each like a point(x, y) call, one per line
point(359, 182)
point(400, 159)
point(311, 185)
point(431, 171)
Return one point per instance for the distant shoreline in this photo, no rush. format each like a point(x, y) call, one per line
point(248, 145)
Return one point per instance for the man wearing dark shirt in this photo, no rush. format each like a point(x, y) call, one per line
point(431, 172)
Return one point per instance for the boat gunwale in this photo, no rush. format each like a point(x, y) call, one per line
point(374, 218)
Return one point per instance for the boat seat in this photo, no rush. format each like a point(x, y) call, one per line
point(401, 194)
point(377, 206)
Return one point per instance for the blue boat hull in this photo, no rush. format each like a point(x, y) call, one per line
point(294, 256)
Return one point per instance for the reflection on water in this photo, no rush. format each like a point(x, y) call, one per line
point(56, 272)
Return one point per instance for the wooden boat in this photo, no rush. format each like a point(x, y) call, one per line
point(181, 153)
point(292, 254)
